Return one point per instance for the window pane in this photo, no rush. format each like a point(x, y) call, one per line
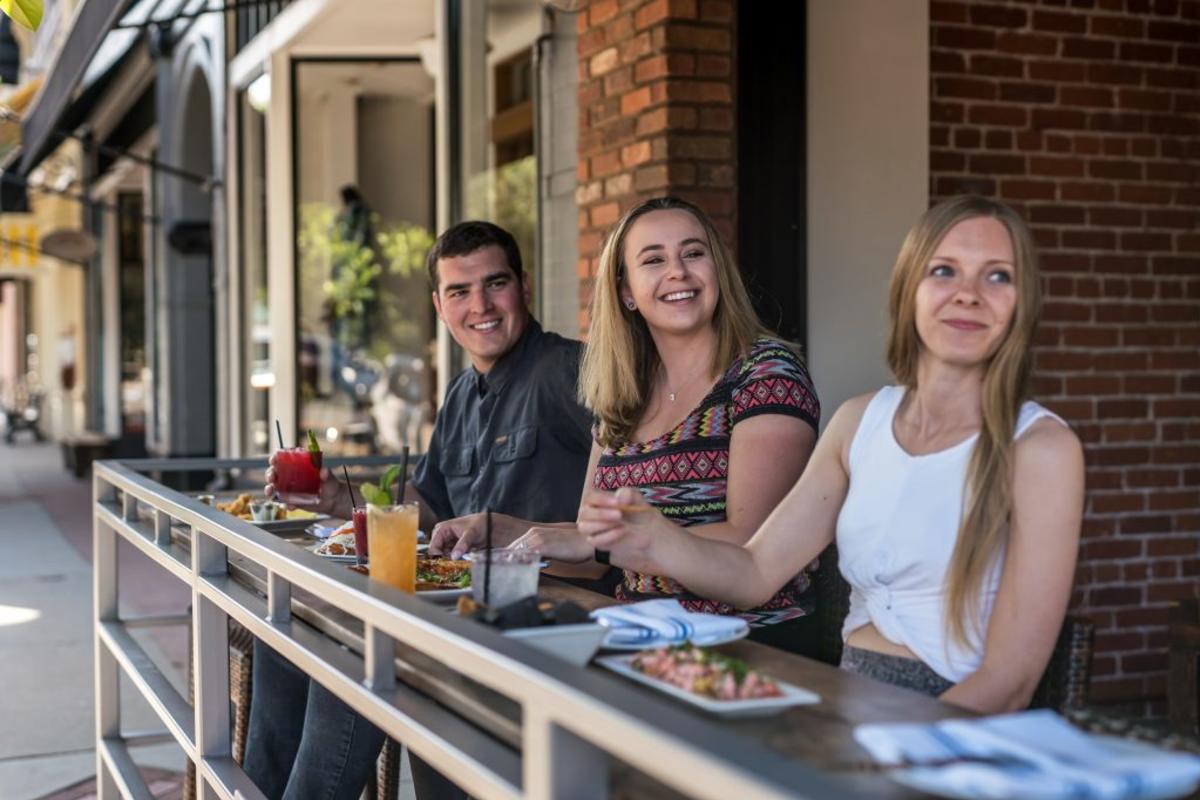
point(364, 220)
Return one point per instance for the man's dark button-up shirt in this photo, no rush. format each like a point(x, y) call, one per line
point(515, 439)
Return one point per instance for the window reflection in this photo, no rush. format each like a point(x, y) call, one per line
point(364, 220)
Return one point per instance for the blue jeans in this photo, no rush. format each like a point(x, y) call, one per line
point(302, 742)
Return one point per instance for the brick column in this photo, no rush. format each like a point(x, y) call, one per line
point(1087, 119)
point(655, 115)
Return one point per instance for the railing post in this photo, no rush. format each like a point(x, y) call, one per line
point(162, 528)
point(104, 601)
point(279, 598)
point(556, 763)
point(210, 649)
point(379, 661)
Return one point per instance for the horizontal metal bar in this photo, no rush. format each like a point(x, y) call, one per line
point(483, 766)
point(134, 739)
point(124, 772)
point(155, 620)
point(228, 780)
point(205, 464)
point(158, 692)
point(141, 535)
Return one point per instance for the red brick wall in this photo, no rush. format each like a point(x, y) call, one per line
point(655, 114)
point(1086, 117)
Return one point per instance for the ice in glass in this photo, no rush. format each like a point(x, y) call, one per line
point(392, 541)
point(514, 576)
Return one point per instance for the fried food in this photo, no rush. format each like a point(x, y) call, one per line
point(239, 507)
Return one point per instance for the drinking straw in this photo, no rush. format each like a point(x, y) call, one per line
point(487, 558)
point(346, 472)
point(279, 433)
point(401, 489)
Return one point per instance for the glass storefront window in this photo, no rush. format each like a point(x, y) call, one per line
point(259, 376)
point(365, 211)
point(500, 169)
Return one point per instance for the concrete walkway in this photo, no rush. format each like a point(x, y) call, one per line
point(47, 727)
point(46, 643)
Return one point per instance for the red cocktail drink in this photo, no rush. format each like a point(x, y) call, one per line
point(360, 532)
point(298, 476)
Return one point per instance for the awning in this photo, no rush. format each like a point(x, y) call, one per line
point(89, 56)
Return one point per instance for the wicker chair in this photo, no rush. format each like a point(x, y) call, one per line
point(241, 649)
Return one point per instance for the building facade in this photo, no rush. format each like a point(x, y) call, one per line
point(339, 136)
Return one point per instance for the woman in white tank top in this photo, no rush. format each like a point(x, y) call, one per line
point(956, 505)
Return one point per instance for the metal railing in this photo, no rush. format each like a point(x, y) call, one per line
point(572, 722)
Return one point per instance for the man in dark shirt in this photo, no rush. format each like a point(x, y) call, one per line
point(509, 437)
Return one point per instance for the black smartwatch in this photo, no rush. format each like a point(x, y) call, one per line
point(601, 556)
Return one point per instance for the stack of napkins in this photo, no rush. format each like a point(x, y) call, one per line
point(1039, 756)
point(653, 623)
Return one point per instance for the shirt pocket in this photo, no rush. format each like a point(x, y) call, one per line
point(458, 461)
point(514, 446)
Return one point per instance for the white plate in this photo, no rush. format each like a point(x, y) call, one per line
point(442, 595)
point(324, 531)
point(653, 643)
point(756, 707)
point(471, 557)
point(351, 559)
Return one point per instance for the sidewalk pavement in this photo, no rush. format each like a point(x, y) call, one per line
point(46, 642)
point(47, 728)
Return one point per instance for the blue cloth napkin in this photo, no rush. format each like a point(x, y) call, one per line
point(655, 623)
point(1043, 757)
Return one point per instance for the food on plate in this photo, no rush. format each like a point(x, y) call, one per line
point(339, 543)
point(240, 507)
point(705, 672)
point(442, 573)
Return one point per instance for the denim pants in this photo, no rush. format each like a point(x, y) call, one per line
point(302, 742)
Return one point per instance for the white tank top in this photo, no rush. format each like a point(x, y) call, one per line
point(896, 533)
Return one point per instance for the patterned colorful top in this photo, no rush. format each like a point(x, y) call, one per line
point(683, 472)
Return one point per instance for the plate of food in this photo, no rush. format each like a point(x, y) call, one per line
point(272, 516)
point(716, 683)
point(338, 547)
point(443, 578)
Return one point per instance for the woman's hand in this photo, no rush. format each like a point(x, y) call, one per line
point(456, 537)
point(558, 544)
point(623, 523)
point(331, 499)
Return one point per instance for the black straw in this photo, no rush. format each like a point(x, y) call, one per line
point(350, 486)
point(401, 489)
point(487, 558)
point(279, 433)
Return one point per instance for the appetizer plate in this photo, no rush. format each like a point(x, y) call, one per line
point(349, 559)
point(651, 644)
point(444, 595)
point(754, 707)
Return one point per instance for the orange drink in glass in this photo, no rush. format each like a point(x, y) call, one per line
point(392, 542)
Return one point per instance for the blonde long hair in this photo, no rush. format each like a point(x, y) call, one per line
point(1005, 388)
point(620, 359)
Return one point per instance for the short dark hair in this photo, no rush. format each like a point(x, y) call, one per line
point(467, 237)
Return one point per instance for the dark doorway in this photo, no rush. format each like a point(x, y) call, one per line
point(132, 300)
point(771, 162)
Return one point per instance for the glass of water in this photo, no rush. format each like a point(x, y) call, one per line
point(514, 575)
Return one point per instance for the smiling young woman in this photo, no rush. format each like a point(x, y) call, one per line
point(706, 413)
point(955, 501)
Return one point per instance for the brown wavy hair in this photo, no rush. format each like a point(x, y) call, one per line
point(620, 359)
point(988, 500)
